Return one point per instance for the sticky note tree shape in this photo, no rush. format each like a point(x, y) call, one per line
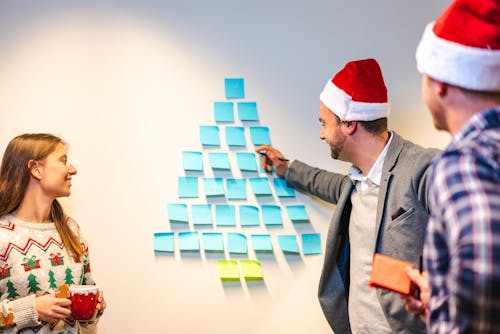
point(228, 149)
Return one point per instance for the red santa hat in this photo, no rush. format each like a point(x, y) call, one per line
point(462, 47)
point(357, 92)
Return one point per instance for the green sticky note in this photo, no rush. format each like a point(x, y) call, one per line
point(259, 135)
point(224, 215)
point(224, 112)
point(246, 161)
point(164, 242)
point(247, 111)
point(177, 213)
point(188, 186)
point(288, 244)
point(281, 189)
point(202, 214)
point(209, 135)
point(311, 243)
point(234, 88)
point(297, 213)
point(249, 215)
point(261, 243)
point(219, 161)
point(251, 270)
point(271, 215)
point(213, 242)
point(236, 243)
point(228, 270)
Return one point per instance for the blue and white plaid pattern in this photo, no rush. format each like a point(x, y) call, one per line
point(462, 247)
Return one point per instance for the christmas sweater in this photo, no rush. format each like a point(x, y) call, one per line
point(34, 262)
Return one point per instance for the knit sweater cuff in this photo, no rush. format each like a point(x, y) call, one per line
point(25, 314)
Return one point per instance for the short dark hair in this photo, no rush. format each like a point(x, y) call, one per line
point(375, 127)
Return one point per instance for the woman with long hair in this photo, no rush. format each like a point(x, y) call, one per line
point(41, 249)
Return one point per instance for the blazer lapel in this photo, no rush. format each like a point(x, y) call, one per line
point(389, 164)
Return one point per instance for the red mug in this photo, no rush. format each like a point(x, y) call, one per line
point(83, 301)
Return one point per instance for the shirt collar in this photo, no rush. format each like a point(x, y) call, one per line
point(375, 174)
point(477, 123)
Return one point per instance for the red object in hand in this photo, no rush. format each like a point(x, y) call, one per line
point(83, 301)
point(390, 273)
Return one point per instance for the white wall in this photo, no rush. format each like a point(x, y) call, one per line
point(127, 83)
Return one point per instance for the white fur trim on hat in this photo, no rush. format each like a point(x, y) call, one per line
point(457, 64)
point(342, 105)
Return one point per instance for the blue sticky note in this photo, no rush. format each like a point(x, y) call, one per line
point(261, 167)
point(259, 135)
point(249, 215)
point(281, 189)
point(311, 243)
point(260, 186)
point(164, 242)
point(219, 160)
point(234, 88)
point(213, 241)
point(209, 135)
point(271, 215)
point(225, 215)
point(213, 186)
point(246, 161)
point(236, 243)
point(297, 213)
point(235, 136)
point(177, 213)
point(192, 161)
point(188, 186)
point(224, 112)
point(236, 189)
point(189, 241)
point(247, 111)
point(288, 244)
point(201, 214)
point(261, 243)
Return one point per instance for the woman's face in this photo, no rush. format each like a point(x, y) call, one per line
point(56, 173)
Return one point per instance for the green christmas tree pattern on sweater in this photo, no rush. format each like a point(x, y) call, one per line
point(36, 263)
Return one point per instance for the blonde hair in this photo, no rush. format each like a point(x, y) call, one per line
point(15, 176)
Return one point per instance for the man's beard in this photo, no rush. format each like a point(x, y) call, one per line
point(334, 152)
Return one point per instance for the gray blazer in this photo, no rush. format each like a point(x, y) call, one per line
point(402, 215)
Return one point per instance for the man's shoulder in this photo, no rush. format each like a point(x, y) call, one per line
point(414, 154)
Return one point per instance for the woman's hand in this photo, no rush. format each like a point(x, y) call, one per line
point(101, 303)
point(52, 309)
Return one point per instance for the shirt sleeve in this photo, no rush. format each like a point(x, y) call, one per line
point(20, 313)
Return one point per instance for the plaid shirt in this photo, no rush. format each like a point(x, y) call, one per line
point(462, 248)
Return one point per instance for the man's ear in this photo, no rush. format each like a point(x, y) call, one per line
point(441, 88)
point(34, 168)
point(350, 127)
